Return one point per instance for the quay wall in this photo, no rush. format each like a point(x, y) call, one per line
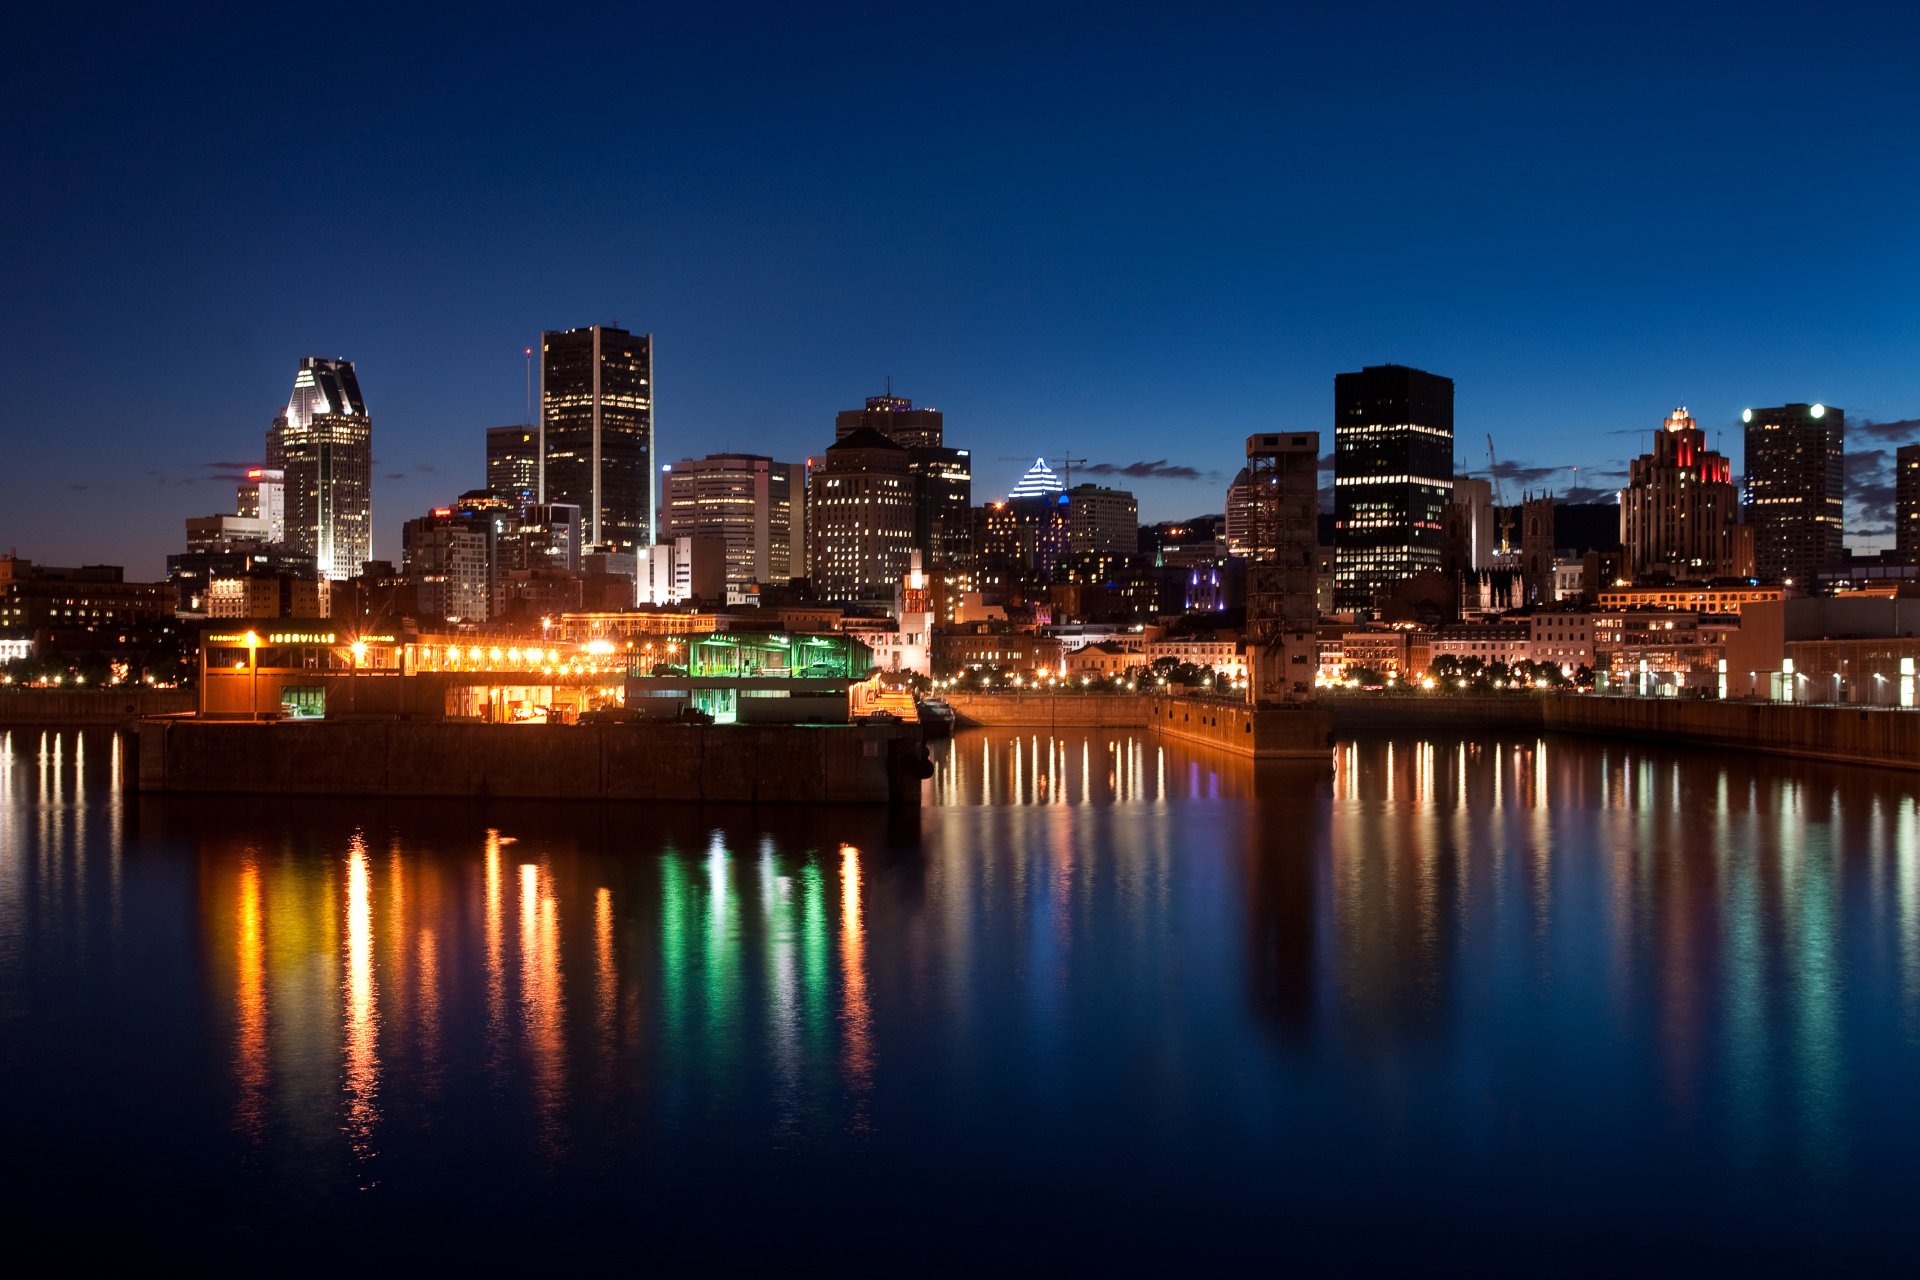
point(1879, 736)
point(1049, 710)
point(1264, 734)
point(89, 706)
point(833, 764)
point(1213, 722)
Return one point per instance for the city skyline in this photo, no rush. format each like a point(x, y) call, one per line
point(1575, 278)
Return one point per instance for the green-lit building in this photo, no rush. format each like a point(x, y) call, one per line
point(749, 677)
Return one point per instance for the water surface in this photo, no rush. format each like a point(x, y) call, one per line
point(1102, 1002)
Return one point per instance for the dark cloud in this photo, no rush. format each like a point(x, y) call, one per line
point(1870, 480)
point(1326, 462)
point(1899, 432)
point(396, 475)
point(1162, 470)
point(423, 468)
point(78, 488)
point(1520, 474)
point(1587, 493)
point(228, 470)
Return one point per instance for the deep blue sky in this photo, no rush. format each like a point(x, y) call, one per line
point(1134, 235)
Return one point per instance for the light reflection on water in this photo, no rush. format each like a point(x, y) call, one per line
point(1559, 983)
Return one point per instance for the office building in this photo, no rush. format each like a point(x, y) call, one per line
point(1392, 475)
point(596, 425)
point(942, 477)
point(1680, 511)
point(1906, 503)
point(263, 496)
point(513, 464)
point(445, 554)
point(1796, 490)
point(1102, 521)
point(755, 506)
point(895, 418)
point(551, 537)
point(861, 517)
point(226, 533)
point(323, 445)
point(682, 568)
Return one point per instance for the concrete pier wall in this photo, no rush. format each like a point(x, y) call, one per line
point(89, 706)
point(1269, 734)
point(1849, 734)
point(1228, 726)
point(831, 764)
point(1049, 710)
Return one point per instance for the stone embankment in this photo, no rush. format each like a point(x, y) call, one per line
point(1851, 735)
point(1214, 722)
point(823, 764)
point(89, 706)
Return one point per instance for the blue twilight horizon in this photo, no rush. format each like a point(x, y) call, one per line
point(1132, 235)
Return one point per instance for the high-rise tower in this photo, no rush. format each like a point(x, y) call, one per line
point(1392, 476)
point(513, 464)
point(324, 445)
point(596, 431)
point(1680, 513)
point(1796, 490)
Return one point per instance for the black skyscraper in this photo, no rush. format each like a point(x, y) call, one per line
point(596, 421)
point(1796, 490)
point(1393, 477)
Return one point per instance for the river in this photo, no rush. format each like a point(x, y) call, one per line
point(1102, 1002)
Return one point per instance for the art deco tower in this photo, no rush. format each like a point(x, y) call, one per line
point(324, 444)
point(1680, 512)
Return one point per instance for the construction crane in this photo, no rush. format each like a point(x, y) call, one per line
point(1500, 501)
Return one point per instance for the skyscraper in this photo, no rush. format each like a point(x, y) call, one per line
point(513, 464)
point(861, 514)
point(942, 478)
point(445, 554)
point(1680, 512)
point(1796, 490)
point(324, 446)
point(596, 431)
point(1102, 521)
point(1906, 503)
point(754, 505)
point(1392, 476)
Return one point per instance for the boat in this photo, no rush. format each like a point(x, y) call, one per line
point(936, 717)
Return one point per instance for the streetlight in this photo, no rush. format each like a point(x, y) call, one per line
point(359, 651)
point(252, 641)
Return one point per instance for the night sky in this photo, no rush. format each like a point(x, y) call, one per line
point(1134, 235)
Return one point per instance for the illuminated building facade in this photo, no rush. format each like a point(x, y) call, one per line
point(1102, 521)
point(1906, 503)
point(323, 445)
point(755, 506)
point(596, 431)
point(263, 496)
point(1796, 490)
point(1392, 476)
point(445, 553)
point(942, 477)
point(1680, 510)
point(513, 464)
point(862, 517)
